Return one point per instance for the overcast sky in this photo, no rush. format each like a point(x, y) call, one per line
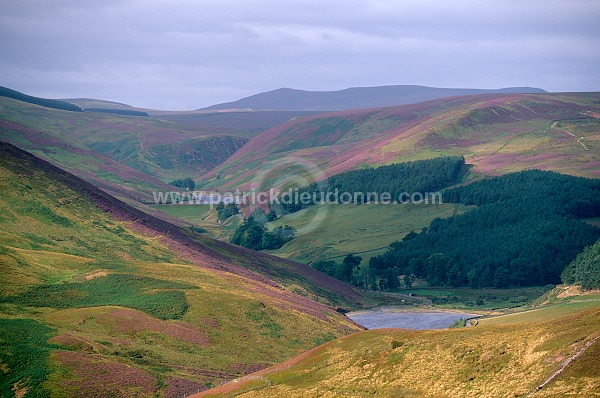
point(184, 55)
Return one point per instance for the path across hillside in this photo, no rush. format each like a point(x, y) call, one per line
point(571, 134)
point(565, 365)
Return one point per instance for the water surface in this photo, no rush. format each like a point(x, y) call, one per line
point(391, 317)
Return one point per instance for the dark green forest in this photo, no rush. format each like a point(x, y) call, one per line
point(585, 269)
point(524, 232)
point(48, 103)
point(115, 111)
point(409, 177)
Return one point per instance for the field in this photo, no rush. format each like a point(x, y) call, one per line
point(193, 214)
point(554, 308)
point(333, 231)
point(488, 360)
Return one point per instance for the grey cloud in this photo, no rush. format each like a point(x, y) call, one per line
point(188, 54)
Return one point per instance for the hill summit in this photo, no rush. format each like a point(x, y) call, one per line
point(288, 99)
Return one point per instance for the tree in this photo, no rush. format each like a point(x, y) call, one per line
point(350, 267)
point(437, 267)
point(454, 276)
point(418, 176)
point(585, 268)
point(344, 272)
point(382, 285)
point(501, 277)
point(249, 235)
point(272, 216)
point(391, 279)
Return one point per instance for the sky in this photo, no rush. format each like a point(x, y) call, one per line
point(185, 54)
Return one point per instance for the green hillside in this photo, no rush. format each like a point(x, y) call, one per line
point(160, 149)
point(100, 299)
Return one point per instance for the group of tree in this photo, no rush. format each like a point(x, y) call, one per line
point(409, 177)
point(585, 269)
point(185, 183)
point(254, 234)
point(224, 211)
point(48, 103)
point(348, 270)
point(523, 232)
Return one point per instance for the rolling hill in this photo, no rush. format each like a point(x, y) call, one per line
point(100, 299)
point(497, 133)
point(135, 153)
point(287, 99)
point(239, 123)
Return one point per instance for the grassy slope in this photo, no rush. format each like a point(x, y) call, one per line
point(204, 217)
point(238, 123)
point(496, 133)
point(133, 304)
point(332, 231)
point(477, 299)
point(501, 357)
point(163, 149)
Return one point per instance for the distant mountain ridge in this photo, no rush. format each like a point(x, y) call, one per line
point(287, 99)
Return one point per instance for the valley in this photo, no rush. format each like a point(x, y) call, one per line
point(106, 293)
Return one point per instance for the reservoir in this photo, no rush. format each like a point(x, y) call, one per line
point(399, 317)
